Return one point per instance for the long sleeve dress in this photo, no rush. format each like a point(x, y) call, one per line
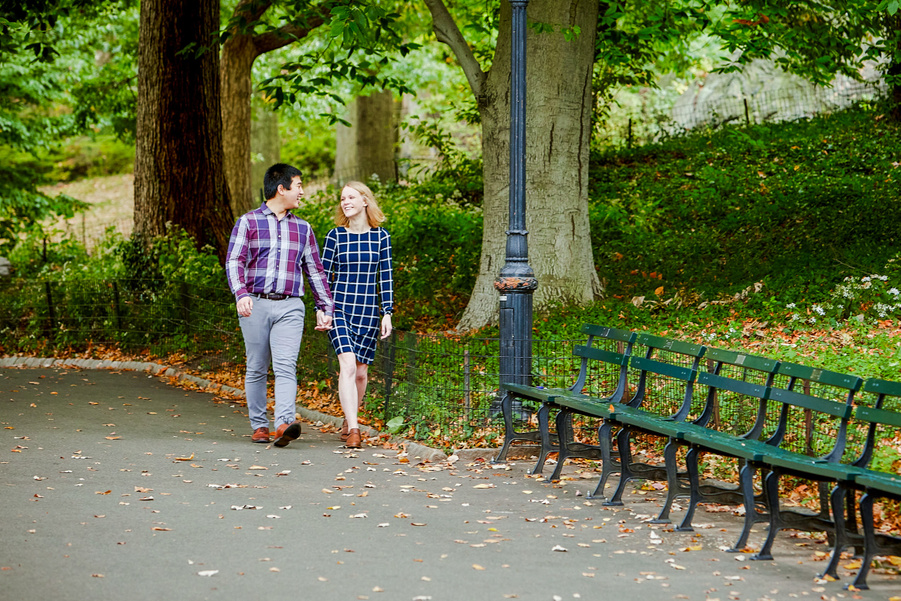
point(359, 273)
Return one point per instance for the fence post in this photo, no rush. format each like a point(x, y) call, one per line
point(51, 324)
point(183, 298)
point(466, 392)
point(389, 371)
point(117, 311)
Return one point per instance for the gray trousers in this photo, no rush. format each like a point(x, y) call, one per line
point(273, 331)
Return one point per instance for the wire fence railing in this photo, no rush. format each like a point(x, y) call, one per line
point(442, 384)
point(429, 381)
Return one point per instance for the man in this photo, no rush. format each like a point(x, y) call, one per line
point(269, 250)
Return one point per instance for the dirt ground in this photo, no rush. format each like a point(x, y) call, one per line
point(112, 206)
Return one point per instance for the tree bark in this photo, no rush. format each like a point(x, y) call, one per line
point(558, 128)
point(239, 52)
point(265, 148)
point(367, 148)
point(179, 166)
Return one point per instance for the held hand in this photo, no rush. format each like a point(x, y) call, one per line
point(386, 326)
point(323, 321)
point(245, 306)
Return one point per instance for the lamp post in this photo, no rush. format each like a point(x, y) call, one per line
point(516, 281)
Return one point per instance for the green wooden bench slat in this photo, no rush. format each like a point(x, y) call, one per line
point(888, 483)
point(742, 360)
point(599, 354)
point(752, 450)
point(878, 416)
point(607, 333)
point(811, 465)
point(668, 344)
point(664, 369)
point(823, 376)
point(883, 387)
point(750, 389)
point(805, 401)
point(585, 404)
point(531, 392)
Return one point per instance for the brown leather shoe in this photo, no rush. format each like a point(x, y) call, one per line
point(344, 430)
point(285, 433)
point(354, 440)
point(260, 435)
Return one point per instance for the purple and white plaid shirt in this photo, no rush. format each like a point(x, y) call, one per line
point(267, 256)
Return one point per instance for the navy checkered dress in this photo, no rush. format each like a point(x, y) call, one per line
point(359, 274)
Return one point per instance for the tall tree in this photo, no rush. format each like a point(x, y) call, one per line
point(560, 58)
point(366, 147)
point(179, 163)
point(355, 33)
point(242, 46)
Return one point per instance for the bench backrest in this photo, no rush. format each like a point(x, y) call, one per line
point(738, 386)
point(615, 355)
point(881, 419)
point(816, 405)
point(666, 375)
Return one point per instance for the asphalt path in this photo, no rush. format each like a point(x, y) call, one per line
point(119, 485)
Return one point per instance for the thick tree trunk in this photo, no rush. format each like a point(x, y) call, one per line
point(367, 148)
point(238, 54)
point(558, 128)
point(179, 176)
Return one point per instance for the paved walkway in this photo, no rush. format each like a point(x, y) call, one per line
point(116, 485)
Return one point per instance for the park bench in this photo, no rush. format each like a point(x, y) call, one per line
point(802, 417)
point(663, 399)
point(880, 421)
point(603, 361)
point(737, 388)
point(775, 418)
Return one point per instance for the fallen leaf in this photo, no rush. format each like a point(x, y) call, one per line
point(185, 458)
point(207, 572)
point(476, 566)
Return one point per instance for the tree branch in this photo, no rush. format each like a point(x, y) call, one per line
point(287, 34)
point(447, 32)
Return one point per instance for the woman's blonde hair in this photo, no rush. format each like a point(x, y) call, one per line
point(374, 214)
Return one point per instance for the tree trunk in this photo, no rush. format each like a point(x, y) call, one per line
point(238, 54)
point(367, 147)
point(894, 70)
point(558, 131)
point(179, 168)
point(265, 148)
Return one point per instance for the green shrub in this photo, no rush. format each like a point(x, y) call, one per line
point(436, 243)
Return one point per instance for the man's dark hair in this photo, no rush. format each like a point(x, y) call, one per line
point(280, 174)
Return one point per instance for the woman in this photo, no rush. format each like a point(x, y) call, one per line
point(357, 256)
